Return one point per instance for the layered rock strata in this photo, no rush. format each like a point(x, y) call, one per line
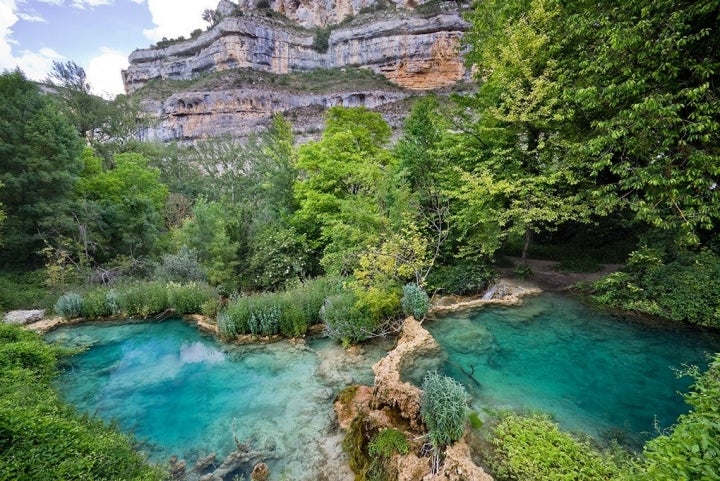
point(242, 111)
point(413, 51)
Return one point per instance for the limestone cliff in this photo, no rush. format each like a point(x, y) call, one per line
point(414, 49)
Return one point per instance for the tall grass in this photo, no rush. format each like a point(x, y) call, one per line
point(140, 298)
point(289, 312)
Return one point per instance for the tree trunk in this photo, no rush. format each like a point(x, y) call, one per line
point(526, 247)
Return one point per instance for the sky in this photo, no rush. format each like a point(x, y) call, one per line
point(98, 35)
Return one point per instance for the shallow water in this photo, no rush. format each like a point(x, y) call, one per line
point(601, 375)
point(183, 393)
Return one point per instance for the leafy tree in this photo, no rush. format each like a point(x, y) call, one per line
point(121, 208)
point(40, 154)
point(644, 80)
point(211, 16)
point(522, 183)
point(208, 233)
point(341, 184)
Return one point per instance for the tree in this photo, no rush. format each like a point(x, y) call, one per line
point(40, 154)
point(523, 182)
point(208, 233)
point(212, 17)
point(121, 207)
point(645, 82)
point(87, 112)
point(341, 185)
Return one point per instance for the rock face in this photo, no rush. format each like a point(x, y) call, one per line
point(414, 51)
point(242, 111)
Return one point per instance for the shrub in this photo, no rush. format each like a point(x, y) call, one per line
point(143, 298)
point(415, 301)
point(388, 442)
point(321, 42)
point(528, 448)
point(345, 321)
point(675, 284)
point(226, 326)
point(69, 305)
point(461, 279)
point(183, 266)
point(380, 450)
point(43, 438)
point(189, 298)
point(444, 409)
point(290, 312)
point(692, 449)
point(95, 304)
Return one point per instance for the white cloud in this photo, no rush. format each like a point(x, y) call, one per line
point(173, 18)
point(82, 4)
point(29, 17)
point(34, 64)
point(103, 72)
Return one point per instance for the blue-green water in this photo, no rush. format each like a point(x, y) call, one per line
point(594, 373)
point(182, 393)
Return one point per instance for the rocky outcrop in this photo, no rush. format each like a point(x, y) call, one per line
point(409, 51)
point(24, 317)
point(392, 403)
point(505, 292)
point(413, 51)
point(246, 110)
point(389, 390)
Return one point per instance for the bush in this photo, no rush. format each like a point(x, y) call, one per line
point(388, 442)
point(43, 438)
point(666, 282)
point(380, 450)
point(444, 409)
point(321, 42)
point(182, 266)
point(69, 305)
point(692, 449)
point(415, 301)
point(345, 321)
point(461, 279)
point(95, 304)
point(528, 448)
point(189, 298)
point(143, 298)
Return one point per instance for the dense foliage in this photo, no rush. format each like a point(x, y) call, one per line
point(681, 285)
point(528, 448)
point(138, 299)
point(42, 438)
point(691, 450)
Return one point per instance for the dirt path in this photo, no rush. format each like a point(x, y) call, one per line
point(545, 275)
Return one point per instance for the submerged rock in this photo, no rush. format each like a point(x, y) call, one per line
point(260, 472)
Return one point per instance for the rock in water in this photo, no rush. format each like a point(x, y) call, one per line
point(261, 472)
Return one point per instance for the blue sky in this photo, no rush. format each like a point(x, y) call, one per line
point(97, 34)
